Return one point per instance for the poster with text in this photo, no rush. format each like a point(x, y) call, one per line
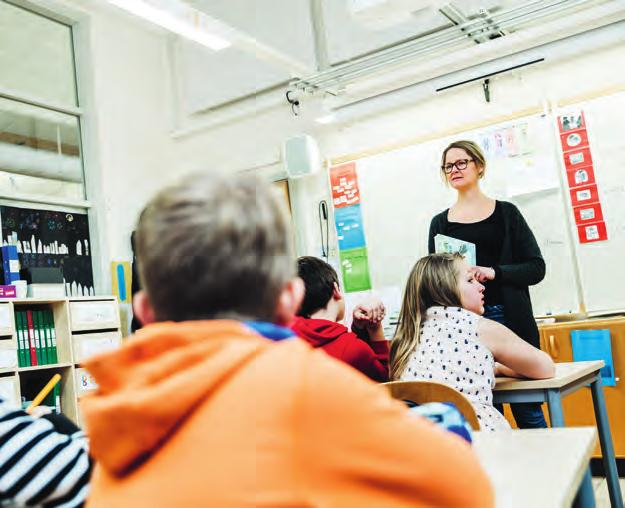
point(355, 270)
point(344, 182)
point(349, 230)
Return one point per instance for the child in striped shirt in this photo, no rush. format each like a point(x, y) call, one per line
point(43, 461)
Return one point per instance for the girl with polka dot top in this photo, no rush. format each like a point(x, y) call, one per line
point(442, 337)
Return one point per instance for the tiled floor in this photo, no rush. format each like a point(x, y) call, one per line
point(602, 498)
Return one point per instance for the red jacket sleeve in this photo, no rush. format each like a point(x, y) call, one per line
point(369, 358)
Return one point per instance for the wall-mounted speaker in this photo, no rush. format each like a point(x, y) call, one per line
point(301, 156)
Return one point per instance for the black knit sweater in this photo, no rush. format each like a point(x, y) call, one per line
point(521, 265)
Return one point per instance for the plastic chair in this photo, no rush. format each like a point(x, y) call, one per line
point(421, 392)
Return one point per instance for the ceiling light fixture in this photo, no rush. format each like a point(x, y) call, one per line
point(181, 19)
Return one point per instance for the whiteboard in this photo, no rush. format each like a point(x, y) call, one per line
point(602, 268)
point(402, 190)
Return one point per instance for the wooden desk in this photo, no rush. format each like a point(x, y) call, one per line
point(538, 467)
point(569, 377)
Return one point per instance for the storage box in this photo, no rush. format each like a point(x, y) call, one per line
point(93, 315)
point(90, 344)
point(50, 291)
point(7, 291)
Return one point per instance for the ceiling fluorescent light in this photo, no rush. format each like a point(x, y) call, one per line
point(184, 21)
point(327, 119)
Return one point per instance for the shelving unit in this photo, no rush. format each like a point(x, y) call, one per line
point(83, 327)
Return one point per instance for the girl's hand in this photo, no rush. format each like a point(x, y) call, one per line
point(483, 273)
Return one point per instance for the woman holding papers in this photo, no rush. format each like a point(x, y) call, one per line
point(507, 257)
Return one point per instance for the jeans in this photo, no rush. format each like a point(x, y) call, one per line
point(528, 415)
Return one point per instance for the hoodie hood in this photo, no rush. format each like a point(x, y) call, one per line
point(318, 332)
point(156, 380)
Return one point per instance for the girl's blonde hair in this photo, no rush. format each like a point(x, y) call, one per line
point(473, 151)
point(432, 281)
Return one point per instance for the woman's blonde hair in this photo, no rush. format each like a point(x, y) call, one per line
point(432, 281)
point(473, 151)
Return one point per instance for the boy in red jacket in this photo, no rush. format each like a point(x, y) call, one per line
point(318, 321)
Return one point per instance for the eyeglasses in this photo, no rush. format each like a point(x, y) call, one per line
point(460, 165)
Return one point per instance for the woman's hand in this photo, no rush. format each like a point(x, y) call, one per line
point(483, 273)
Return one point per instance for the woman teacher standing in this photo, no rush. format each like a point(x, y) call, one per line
point(508, 257)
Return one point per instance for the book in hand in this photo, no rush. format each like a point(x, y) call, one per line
point(452, 245)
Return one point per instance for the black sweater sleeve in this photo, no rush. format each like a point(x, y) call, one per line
point(435, 229)
point(530, 269)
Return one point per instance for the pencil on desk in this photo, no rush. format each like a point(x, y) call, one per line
point(43, 393)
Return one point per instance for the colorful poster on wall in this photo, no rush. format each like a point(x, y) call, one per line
point(580, 175)
point(584, 195)
point(586, 214)
point(344, 182)
point(46, 238)
point(349, 230)
point(574, 140)
point(355, 269)
point(572, 121)
point(577, 158)
point(592, 232)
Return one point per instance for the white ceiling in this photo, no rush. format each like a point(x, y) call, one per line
point(210, 80)
point(275, 42)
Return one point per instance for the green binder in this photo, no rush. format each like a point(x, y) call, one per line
point(22, 355)
point(25, 341)
point(48, 335)
point(52, 332)
point(57, 397)
point(40, 331)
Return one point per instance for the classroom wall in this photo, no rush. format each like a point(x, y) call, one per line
point(529, 88)
point(133, 105)
point(130, 151)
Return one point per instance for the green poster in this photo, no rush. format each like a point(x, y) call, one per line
point(355, 269)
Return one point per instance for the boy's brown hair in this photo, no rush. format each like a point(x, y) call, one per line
point(213, 246)
point(319, 279)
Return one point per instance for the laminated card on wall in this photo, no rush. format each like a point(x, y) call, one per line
point(349, 231)
point(355, 270)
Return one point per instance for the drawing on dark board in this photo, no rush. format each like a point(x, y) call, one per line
point(46, 238)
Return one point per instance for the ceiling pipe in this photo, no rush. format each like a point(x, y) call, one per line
point(339, 76)
point(408, 95)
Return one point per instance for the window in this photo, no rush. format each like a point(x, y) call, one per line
point(40, 155)
point(43, 206)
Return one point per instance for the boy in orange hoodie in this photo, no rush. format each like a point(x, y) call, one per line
point(214, 403)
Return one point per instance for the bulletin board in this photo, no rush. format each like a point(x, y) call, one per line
point(48, 238)
point(402, 189)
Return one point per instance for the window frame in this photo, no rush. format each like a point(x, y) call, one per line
point(93, 204)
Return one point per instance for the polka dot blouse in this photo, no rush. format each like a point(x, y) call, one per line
point(450, 352)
